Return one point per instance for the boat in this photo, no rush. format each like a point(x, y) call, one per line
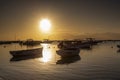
point(68, 52)
point(30, 42)
point(74, 44)
point(67, 45)
point(20, 58)
point(118, 46)
point(28, 52)
point(85, 46)
point(46, 41)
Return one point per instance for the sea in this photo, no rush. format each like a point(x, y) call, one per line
point(101, 62)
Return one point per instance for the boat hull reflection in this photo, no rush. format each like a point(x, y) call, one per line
point(68, 60)
point(118, 51)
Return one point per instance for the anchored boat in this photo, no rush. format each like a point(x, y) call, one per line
point(28, 52)
point(67, 52)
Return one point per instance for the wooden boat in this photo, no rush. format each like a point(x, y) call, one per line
point(28, 52)
point(118, 46)
point(20, 58)
point(70, 44)
point(85, 46)
point(30, 42)
point(67, 52)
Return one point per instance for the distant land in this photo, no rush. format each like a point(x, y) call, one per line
point(61, 36)
point(100, 36)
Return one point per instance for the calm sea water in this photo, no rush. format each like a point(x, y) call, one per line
point(102, 62)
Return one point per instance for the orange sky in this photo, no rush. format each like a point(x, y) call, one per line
point(69, 19)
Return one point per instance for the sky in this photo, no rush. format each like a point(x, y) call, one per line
point(19, 19)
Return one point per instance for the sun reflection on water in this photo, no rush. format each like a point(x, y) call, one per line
point(46, 53)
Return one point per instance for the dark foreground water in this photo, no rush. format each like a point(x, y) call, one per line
point(102, 62)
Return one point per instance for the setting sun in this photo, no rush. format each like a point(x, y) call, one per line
point(45, 25)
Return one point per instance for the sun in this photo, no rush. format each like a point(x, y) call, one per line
point(45, 25)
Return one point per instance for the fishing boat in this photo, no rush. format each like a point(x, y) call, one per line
point(85, 46)
point(118, 46)
point(30, 42)
point(67, 52)
point(74, 44)
point(28, 52)
point(20, 58)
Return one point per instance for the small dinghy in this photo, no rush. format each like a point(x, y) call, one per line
point(67, 52)
point(20, 58)
point(28, 52)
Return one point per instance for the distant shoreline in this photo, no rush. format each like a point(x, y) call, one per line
point(10, 42)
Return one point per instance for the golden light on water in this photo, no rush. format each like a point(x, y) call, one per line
point(46, 54)
point(45, 25)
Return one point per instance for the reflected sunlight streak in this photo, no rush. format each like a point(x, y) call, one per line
point(46, 54)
